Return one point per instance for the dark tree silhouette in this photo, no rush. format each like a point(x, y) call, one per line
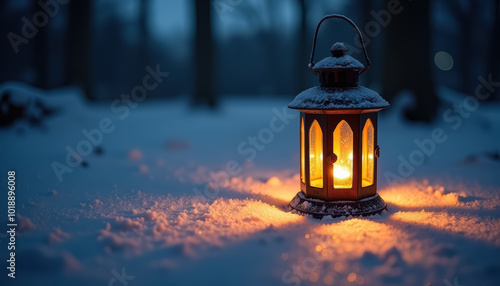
point(365, 7)
point(408, 60)
point(268, 40)
point(42, 55)
point(79, 46)
point(144, 46)
point(493, 63)
point(302, 46)
point(466, 17)
point(204, 90)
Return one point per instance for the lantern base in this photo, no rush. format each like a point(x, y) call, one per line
point(320, 208)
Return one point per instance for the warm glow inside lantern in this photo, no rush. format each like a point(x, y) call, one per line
point(338, 138)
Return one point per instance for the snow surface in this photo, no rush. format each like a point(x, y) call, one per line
point(324, 98)
point(181, 220)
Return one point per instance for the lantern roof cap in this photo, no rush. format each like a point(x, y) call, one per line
point(338, 60)
point(334, 98)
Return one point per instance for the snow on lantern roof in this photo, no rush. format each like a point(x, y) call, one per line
point(332, 98)
point(338, 60)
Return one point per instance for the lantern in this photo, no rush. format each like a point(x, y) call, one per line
point(338, 138)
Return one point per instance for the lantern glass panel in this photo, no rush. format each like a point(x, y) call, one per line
point(368, 156)
point(302, 152)
point(315, 155)
point(343, 148)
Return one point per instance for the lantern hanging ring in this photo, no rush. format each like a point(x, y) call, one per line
point(368, 63)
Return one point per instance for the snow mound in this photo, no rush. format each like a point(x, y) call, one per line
point(45, 259)
point(58, 236)
point(127, 224)
point(115, 241)
point(38, 102)
point(25, 223)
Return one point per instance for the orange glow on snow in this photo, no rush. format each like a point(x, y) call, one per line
point(274, 187)
point(225, 220)
point(352, 238)
point(473, 227)
point(233, 210)
point(418, 195)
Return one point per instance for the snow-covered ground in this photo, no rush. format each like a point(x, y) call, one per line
point(176, 196)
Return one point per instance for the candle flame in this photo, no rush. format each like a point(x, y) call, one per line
point(341, 173)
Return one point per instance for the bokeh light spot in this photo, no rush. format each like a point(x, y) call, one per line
point(443, 61)
point(351, 277)
point(313, 277)
point(328, 280)
point(339, 267)
point(360, 280)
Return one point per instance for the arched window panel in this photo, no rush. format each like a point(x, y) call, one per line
point(302, 152)
point(368, 161)
point(343, 148)
point(315, 155)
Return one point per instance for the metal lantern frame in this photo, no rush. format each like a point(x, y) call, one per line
point(328, 123)
point(358, 199)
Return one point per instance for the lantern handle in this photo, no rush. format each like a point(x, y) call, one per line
point(368, 63)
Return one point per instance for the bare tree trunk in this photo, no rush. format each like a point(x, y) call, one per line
point(302, 44)
point(79, 46)
point(271, 39)
point(144, 47)
point(366, 6)
point(494, 57)
point(466, 18)
point(204, 92)
point(5, 48)
point(408, 60)
point(41, 54)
